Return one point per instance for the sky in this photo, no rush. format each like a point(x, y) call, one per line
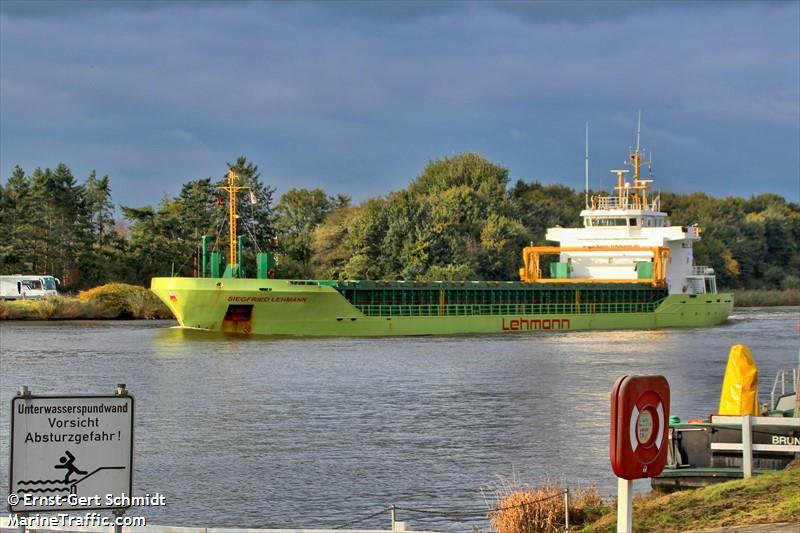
point(357, 97)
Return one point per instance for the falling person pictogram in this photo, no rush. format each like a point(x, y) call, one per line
point(69, 465)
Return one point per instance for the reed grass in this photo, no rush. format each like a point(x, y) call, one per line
point(127, 301)
point(525, 509)
point(146, 305)
point(111, 301)
point(766, 297)
point(52, 308)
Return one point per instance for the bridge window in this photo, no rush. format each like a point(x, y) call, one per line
point(610, 222)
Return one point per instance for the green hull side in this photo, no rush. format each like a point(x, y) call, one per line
point(284, 308)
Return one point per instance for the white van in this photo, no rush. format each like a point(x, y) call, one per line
point(19, 287)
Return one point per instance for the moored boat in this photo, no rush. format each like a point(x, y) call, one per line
point(626, 268)
point(711, 450)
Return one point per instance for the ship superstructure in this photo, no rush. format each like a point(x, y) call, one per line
point(627, 238)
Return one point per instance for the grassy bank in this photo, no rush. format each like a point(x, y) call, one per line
point(765, 499)
point(766, 298)
point(111, 301)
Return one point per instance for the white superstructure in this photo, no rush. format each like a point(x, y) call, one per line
point(631, 219)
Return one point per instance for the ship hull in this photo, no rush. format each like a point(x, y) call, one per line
point(284, 308)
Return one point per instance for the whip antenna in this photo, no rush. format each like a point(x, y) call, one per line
point(638, 130)
point(587, 166)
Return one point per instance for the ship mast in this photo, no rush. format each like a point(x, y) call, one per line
point(232, 188)
point(639, 184)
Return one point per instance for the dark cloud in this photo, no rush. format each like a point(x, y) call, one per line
point(387, 12)
point(33, 9)
point(357, 99)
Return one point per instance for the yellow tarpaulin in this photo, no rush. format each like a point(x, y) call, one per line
point(740, 386)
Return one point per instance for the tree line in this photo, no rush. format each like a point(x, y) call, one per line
point(460, 219)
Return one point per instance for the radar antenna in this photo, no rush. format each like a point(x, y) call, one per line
point(635, 159)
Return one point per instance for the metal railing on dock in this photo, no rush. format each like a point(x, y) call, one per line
point(780, 380)
point(5, 524)
point(747, 422)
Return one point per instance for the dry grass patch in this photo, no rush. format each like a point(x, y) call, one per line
point(127, 301)
point(51, 308)
point(115, 300)
point(524, 509)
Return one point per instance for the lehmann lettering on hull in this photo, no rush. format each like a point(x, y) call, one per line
point(527, 324)
point(70, 445)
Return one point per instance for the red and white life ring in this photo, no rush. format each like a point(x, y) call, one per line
point(646, 431)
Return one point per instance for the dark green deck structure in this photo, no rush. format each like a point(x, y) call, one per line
point(455, 298)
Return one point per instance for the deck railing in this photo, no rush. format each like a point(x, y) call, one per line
point(623, 202)
point(702, 271)
point(507, 309)
point(612, 202)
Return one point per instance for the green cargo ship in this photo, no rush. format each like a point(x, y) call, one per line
point(367, 308)
point(627, 268)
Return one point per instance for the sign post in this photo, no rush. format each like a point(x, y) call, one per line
point(639, 431)
point(71, 453)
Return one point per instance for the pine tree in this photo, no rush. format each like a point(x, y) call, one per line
point(16, 224)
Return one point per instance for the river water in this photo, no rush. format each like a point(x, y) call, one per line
point(246, 432)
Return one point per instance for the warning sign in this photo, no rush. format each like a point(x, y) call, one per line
point(70, 452)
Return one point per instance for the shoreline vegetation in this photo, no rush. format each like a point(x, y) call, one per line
point(115, 301)
point(461, 218)
point(769, 498)
point(766, 297)
point(106, 302)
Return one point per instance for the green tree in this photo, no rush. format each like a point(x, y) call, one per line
point(62, 224)
point(166, 241)
point(100, 207)
point(257, 220)
point(539, 207)
point(471, 170)
point(330, 253)
point(365, 233)
point(17, 223)
point(298, 213)
point(502, 240)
